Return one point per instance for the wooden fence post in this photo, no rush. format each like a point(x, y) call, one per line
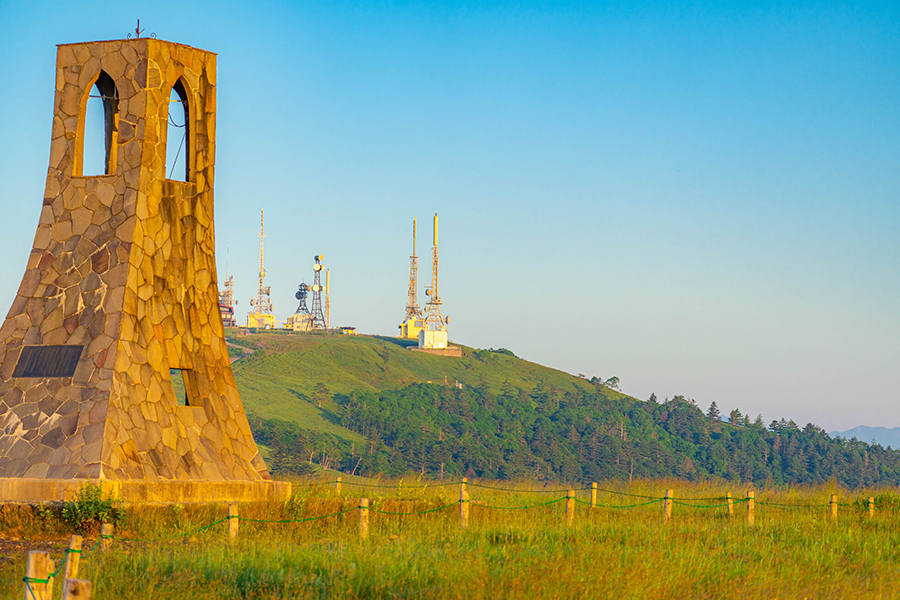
point(594, 495)
point(570, 508)
point(106, 537)
point(337, 485)
point(363, 519)
point(730, 501)
point(667, 505)
point(751, 517)
point(73, 557)
point(39, 567)
point(871, 506)
point(76, 589)
point(463, 505)
point(234, 521)
point(833, 504)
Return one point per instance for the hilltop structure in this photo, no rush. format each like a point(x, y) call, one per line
point(434, 335)
point(227, 301)
point(301, 320)
point(119, 296)
point(414, 321)
point(262, 314)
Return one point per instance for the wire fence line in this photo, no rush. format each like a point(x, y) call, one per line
point(105, 538)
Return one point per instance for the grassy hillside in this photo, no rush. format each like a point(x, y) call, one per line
point(279, 379)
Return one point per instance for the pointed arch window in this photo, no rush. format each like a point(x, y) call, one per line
point(97, 150)
point(178, 135)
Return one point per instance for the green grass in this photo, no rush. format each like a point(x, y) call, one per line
point(529, 553)
point(279, 379)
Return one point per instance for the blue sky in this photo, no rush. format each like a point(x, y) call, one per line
point(701, 199)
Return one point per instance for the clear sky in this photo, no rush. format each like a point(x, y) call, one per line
point(699, 198)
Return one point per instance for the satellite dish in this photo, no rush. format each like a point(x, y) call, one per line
point(317, 267)
point(299, 296)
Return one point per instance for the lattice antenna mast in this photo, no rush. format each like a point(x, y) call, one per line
point(301, 296)
point(318, 316)
point(262, 302)
point(412, 304)
point(227, 296)
point(434, 321)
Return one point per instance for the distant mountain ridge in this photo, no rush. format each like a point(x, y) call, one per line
point(882, 435)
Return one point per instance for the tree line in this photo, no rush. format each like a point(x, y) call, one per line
point(444, 431)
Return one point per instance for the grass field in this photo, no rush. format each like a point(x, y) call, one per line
point(794, 550)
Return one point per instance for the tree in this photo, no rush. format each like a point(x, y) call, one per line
point(321, 394)
point(735, 418)
point(713, 413)
point(612, 383)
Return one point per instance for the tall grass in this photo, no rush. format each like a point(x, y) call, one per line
point(793, 551)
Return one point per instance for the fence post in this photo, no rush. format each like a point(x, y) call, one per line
point(234, 521)
point(363, 519)
point(337, 485)
point(871, 506)
point(594, 495)
point(73, 557)
point(570, 508)
point(751, 517)
point(667, 505)
point(463, 505)
point(76, 589)
point(106, 537)
point(39, 567)
point(730, 501)
point(833, 504)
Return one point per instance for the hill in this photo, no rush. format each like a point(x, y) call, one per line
point(294, 377)
point(877, 435)
point(369, 405)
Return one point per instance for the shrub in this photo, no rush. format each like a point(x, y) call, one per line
point(89, 509)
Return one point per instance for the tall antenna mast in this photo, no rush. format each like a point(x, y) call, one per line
point(433, 320)
point(318, 316)
point(226, 298)
point(262, 302)
point(412, 303)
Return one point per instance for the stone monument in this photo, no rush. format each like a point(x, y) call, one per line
point(120, 296)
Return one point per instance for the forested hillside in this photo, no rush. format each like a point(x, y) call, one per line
point(525, 427)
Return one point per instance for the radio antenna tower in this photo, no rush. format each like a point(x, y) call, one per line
point(318, 316)
point(262, 303)
point(434, 321)
point(412, 304)
point(226, 298)
point(301, 296)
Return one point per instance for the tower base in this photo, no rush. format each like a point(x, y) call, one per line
point(20, 489)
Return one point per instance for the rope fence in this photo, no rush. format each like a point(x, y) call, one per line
point(40, 573)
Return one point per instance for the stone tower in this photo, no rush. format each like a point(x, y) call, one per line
point(120, 294)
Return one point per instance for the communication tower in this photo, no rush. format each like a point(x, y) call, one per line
point(301, 320)
point(318, 316)
point(414, 321)
point(434, 335)
point(226, 299)
point(262, 314)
